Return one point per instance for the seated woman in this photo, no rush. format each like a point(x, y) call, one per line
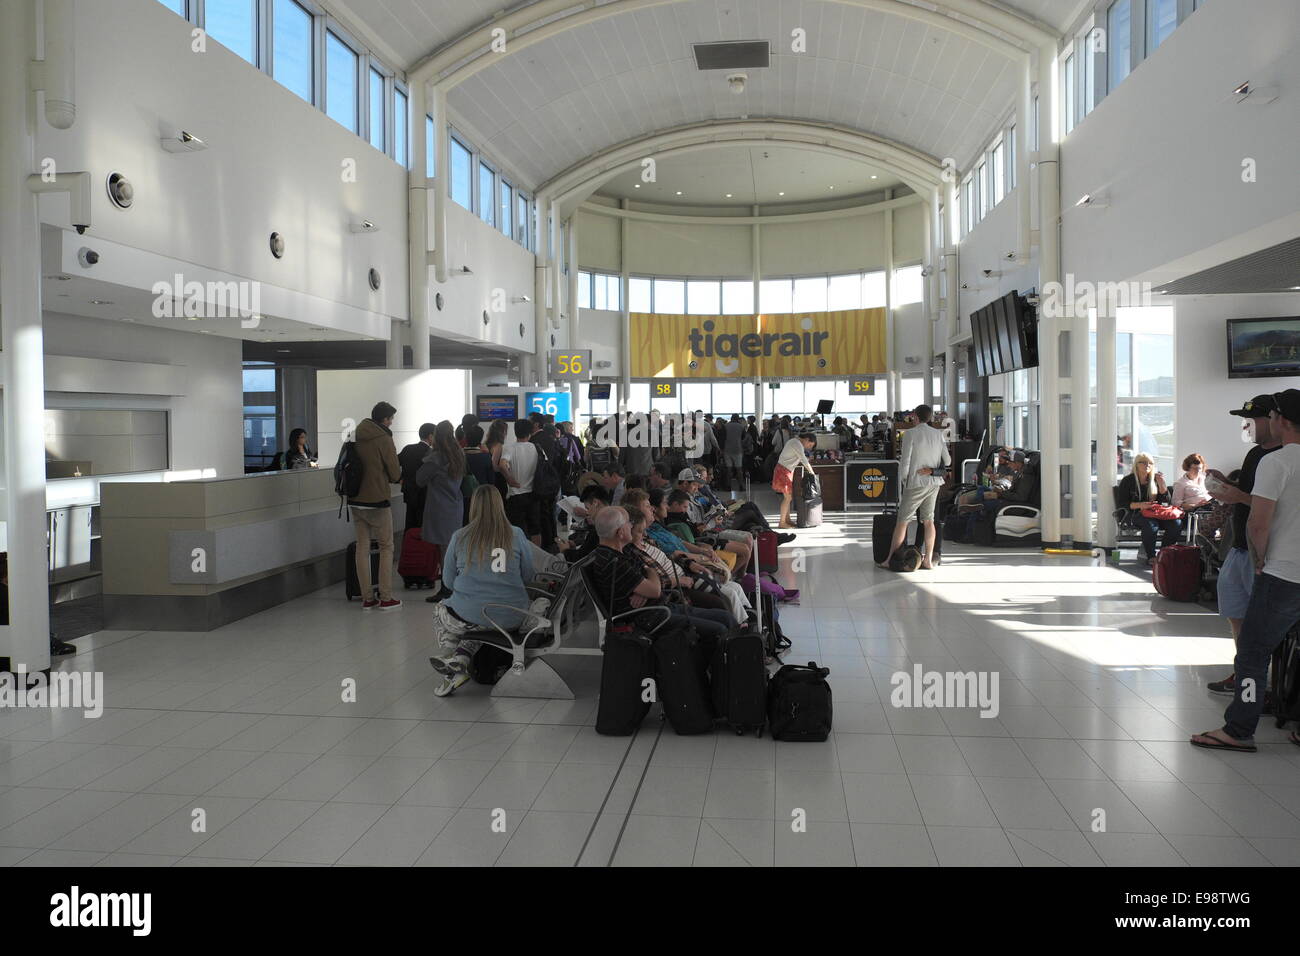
point(298, 455)
point(1139, 489)
point(669, 542)
point(487, 562)
point(679, 572)
point(1189, 490)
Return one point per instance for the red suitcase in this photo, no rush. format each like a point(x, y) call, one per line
point(421, 563)
point(1177, 572)
point(766, 551)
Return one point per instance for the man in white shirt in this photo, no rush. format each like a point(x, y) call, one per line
point(921, 471)
point(1273, 533)
point(518, 466)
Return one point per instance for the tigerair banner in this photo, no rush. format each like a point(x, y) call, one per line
point(798, 345)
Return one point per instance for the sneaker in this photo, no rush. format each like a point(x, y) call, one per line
point(456, 673)
point(1226, 686)
point(784, 538)
point(367, 605)
point(389, 604)
point(446, 666)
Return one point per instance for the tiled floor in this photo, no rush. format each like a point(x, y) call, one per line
point(235, 747)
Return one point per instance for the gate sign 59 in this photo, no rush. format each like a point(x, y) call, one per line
point(558, 404)
point(572, 364)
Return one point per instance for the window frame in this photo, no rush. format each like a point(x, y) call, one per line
point(375, 68)
point(331, 26)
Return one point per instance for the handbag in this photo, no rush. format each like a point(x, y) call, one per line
point(1161, 512)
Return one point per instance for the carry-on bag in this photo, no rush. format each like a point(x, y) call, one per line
point(1177, 572)
point(739, 680)
point(627, 662)
point(766, 551)
point(351, 586)
point(680, 680)
point(1286, 679)
point(799, 703)
point(420, 564)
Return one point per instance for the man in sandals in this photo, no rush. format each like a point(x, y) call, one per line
point(1273, 533)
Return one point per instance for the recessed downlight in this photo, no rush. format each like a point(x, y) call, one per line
point(781, 194)
point(679, 192)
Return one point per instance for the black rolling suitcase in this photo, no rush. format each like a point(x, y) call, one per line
point(626, 663)
point(882, 533)
point(799, 703)
point(351, 586)
point(739, 681)
point(808, 504)
point(680, 680)
point(1286, 679)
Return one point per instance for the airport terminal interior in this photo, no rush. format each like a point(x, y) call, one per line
point(663, 433)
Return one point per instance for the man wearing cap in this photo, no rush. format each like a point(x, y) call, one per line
point(1237, 576)
point(736, 543)
point(1273, 535)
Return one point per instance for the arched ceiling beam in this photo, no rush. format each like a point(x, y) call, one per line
point(1009, 34)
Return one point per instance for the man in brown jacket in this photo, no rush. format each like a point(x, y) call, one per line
point(372, 514)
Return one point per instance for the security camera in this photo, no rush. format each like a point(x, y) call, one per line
point(87, 257)
point(927, 271)
point(81, 230)
point(365, 225)
point(965, 286)
point(1009, 256)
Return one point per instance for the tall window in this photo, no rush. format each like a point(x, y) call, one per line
point(1144, 386)
point(776, 296)
point(703, 297)
point(377, 137)
point(737, 297)
point(908, 286)
point(462, 177)
point(522, 235)
point(1069, 93)
point(399, 128)
point(638, 294)
point(982, 176)
point(233, 24)
point(292, 57)
point(809, 294)
point(584, 290)
point(1162, 19)
point(1011, 156)
point(486, 207)
point(873, 290)
point(605, 292)
point(340, 82)
point(261, 409)
point(1119, 41)
point(430, 147)
point(505, 214)
point(999, 160)
point(844, 292)
point(670, 296)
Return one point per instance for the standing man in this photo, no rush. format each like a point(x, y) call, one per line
point(1237, 576)
point(519, 466)
point(1273, 533)
point(410, 458)
point(734, 453)
point(921, 469)
point(372, 512)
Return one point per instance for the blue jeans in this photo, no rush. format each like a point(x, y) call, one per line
point(709, 622)
point(1274, 609)
point(1149, 526)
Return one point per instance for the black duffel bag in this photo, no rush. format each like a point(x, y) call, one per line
point(799, 703)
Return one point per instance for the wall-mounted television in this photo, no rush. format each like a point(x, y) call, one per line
point(598, 392)
point(1005, 335)
point(490, 407)
point(1263, 348)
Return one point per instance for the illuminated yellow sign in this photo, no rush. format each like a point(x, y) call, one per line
point(873, 483)
point(799, 345)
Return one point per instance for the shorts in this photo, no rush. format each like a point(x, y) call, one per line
point(736, 460)
point(918, 501)
point(782, 482)
point(1236, 582)
point(524, 512)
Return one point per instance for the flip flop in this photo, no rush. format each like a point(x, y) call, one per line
point(1216, 744)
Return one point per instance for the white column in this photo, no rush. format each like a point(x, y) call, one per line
point(756, 275)
point(393, 348)
point(625, 313)
point(1080, 434)
point(1049, 373)
point(26, 641)
point(1107, 427)
point(572, 294)
point(417, 238)
point(891, 339)
point(929, 290)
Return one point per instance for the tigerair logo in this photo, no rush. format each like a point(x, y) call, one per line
point(872, 483)
point(726, 348)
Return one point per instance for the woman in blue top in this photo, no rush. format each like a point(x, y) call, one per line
point(487, 562)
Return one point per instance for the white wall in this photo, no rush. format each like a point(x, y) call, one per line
point(206, 422)
point(274, 163)
point(602, 332)
point(418, 397)
point(985, 247)
point(1205, 393)
point(1168, 144)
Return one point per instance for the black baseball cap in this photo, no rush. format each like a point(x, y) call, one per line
point(1257, 407)
point(1288, 404)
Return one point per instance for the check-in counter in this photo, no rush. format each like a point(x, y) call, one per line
point(194, 555)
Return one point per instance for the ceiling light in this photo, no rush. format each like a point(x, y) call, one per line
point(780, 194)
point(679, 192)
point(736, 82)
point(728, 195)
point(830, 187)
point(636, 185)
point(873, 177)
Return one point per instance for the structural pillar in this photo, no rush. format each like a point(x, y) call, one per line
point(1049, 346)
point(1107, 426)
point(417, 239)
point(26, 640)
point(1080, 433)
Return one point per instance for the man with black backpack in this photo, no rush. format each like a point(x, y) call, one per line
point(548, 481)
point(366, 470)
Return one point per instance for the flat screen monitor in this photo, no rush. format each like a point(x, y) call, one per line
point(1263, 348)
point(1011, 311)
point(825, 406)
point(491, 407)
point(977, 343)
point(1004, 322)
point(598, 392)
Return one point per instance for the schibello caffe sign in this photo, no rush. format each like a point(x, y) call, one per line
point(800, 345)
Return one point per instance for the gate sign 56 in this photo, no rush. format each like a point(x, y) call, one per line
point(571, 364)
point(549, 403)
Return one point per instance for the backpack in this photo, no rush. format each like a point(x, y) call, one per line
point(468, 485)
point(906, 559)
point(347, 473)
point(601, 458)
point(546, 483)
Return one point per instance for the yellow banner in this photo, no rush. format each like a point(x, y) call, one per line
point(798, 345)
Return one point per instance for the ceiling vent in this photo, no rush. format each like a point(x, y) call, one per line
point(732, 55)
point(1275, 269)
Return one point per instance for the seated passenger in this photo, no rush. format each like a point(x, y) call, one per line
point(1189, 490)
point(669, 542)
point(625, 583)
point(660, 477)
point(583, 541)
point(1141, 488)
point(697, 587)
point(487, 562)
